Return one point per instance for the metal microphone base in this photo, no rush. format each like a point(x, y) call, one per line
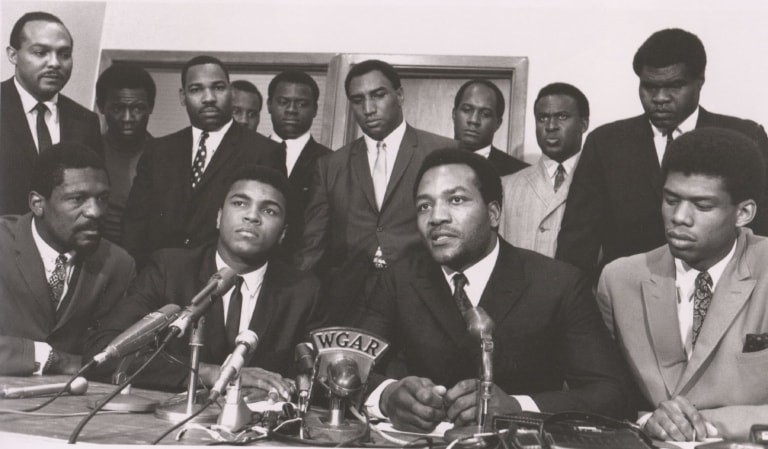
point(319, 428)
point(470, 437)
point(175, 411)
point(126, 402)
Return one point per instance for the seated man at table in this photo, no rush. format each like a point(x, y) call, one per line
point(547, 326)
point(691, 317)
point(58, 277)
point(279, 303)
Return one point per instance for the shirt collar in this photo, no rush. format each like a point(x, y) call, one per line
point(251, 279)
point(214, 137)
point(28, 102)
point(686, 274)
point(392, 141)
point(689, 124)
point(550, 165)
point(299, 142)
point(47, 253)
point(484, 152)
point(477, 275)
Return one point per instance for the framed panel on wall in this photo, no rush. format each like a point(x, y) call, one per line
point(430, 83)
point(259, 68)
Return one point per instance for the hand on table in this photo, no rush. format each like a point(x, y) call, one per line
point(413, 404)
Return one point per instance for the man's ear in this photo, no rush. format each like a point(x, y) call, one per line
point(218, 219)
point(494, 213)
point(182, 97)
point(36, 204)
point(745, 212)
point(12, 54)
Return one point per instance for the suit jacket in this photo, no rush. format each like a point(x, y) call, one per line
point(163, 210)
point(343, 225)
point(532, 210)
point(504, 163)
point(301, 181)
point(638, 299)
point(18, 152)
point(547, 331)
point(287, 308)
point(614, 202)
point(26, 312)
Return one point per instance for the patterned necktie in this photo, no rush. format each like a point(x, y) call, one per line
point(459, 295)
point(198, 165)
point(234, 310)
point(380, 173)
point(58, 279)
point(702, 297)
point(43, 135)
point(559, 176)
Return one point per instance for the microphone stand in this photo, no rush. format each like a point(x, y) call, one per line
point(235, 415)
point(175, 412)
point(126, 401)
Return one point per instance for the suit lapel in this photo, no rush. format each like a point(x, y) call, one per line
point(223, 153)
point(31, 266)
point(67, 123)
point(645, 150)
point(506, 284)
point(214, 329)
point(304, 162)
point(659, 295)
point(431, 288)
point(16, 116)
point(732, 292)
point(268, 300)
point(85, 289)
point(408, 147)
point(362, 171)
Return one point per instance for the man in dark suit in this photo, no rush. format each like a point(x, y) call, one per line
point(360, 217)
point(33, 115)
point(58, 278)
point(613, 203)
point(547, 328)
point(477, 114)
point(292, 104)
point(181, 178)
point(278, 302)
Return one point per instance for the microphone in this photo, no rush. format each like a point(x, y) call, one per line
point(139, 335)
point(245, 346)
point(304, 358)
point(78, 387)
point(219, 284)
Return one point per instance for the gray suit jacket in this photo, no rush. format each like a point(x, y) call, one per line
point(638, 299)
point(26, 312)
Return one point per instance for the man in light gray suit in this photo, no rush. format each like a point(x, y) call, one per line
point(534, 198)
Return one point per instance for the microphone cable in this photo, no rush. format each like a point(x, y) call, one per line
point(184, 421)
point(115, 392)
point(63, 390)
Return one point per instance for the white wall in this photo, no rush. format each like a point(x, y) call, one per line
point(587, 43)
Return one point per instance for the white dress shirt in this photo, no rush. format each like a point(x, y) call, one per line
point(392, 141)
point(252, 283)
point(293, 148)
point(49, 256)
point(211, 143)
point(660, 139)
point(484, 152)
point(28, 103)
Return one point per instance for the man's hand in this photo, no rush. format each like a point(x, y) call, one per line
point(677, 419)
point(413, 404)
point(461, 402)
point(64, 363)
point(273, 385)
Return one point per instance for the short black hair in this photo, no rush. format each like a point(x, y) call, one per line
point(48, 171)
point(15, 40)
point(722, 153)
point(566, 89)
point(295, 77)
point(669, 47)
point(371, 65)
point(263, 174)
point(487, 178)
point(201, 60)
point(500, 104)
point(247, 86)
point(124, 76)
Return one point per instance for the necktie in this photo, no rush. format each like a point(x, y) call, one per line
point(670, 138)
point(43, 135)
point(57, 279)
point(198, 165)
point(284, 154)
point(234, 310)
point(459, 295)
point(559, 176)
point(380, 173)
point(702, 297)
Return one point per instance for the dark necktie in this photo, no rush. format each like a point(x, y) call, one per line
point(58, 279)
point(234, 310)
point(670, 138)
point(702, 297)
point(459, 295)
point(284, 154)
point(198, 165)
point(559, 176)
point(43, 135)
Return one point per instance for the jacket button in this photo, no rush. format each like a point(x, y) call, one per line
point(379, 229)
point(186, 242)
